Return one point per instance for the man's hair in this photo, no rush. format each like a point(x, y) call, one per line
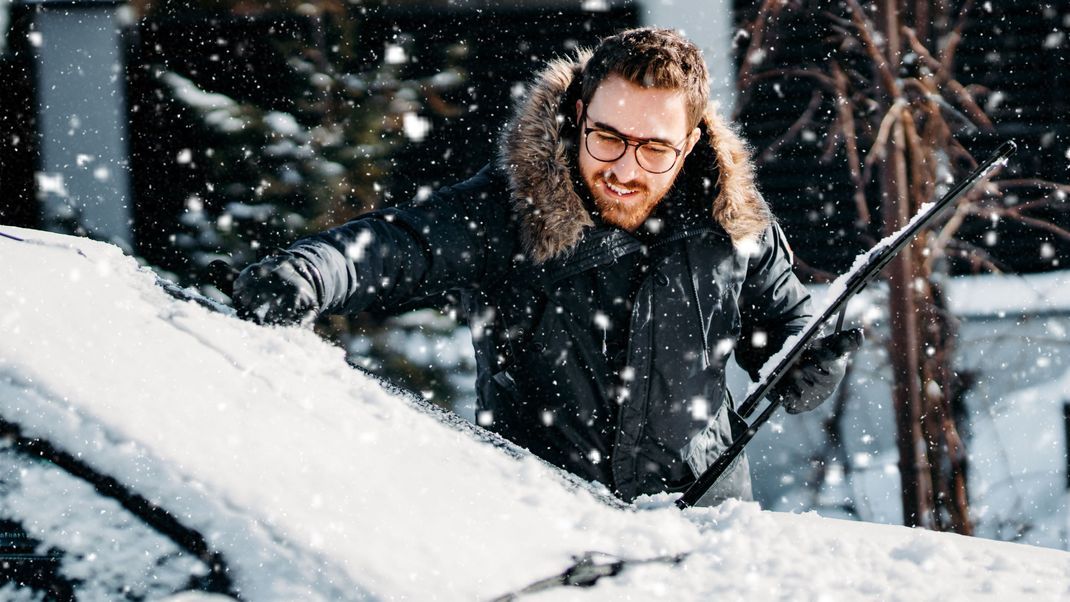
point(651, 57)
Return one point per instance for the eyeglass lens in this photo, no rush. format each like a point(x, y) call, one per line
point(653, 157)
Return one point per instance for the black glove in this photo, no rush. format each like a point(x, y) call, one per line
point(277, 290)
point(817, 372)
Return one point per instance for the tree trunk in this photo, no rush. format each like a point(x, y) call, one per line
point(887, 90)
point(904, 345)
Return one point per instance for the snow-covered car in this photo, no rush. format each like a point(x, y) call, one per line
point(157, 447)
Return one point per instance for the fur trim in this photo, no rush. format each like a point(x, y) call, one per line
point(738, 207)
point(534, 154)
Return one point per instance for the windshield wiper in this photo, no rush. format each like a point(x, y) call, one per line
point(587, 570)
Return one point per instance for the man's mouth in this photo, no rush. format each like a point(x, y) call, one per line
point(620, 191)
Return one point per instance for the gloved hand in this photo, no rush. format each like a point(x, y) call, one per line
point(277, 290)
point(817, 372)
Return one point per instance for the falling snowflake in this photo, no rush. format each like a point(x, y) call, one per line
point(356, 250)
point(700, 408)
point(759, 339)
point(1054, 39)
point(395, 55)
point(51, 183)
point(601, 320)
point(416, 127)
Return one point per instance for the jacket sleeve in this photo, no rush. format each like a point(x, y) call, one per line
point(773, 304)
point(453, 239)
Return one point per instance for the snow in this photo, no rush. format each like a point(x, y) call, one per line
point(994, 294)
point(193, 96)
point(101, 539)
point(774, 556)
point(283, 124)
point(1013, 341)
point(315, 482)
point(840, 284)
point(1028, 461)
point(416, 128)
point(971, 297)
point(51, 183)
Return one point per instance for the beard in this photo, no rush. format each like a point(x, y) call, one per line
point(627, 213)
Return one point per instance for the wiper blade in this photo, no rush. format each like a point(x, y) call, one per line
point(587, 570)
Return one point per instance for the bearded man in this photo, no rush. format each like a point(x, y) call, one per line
point(610, 262)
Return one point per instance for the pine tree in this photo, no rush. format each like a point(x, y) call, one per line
point(260, 178)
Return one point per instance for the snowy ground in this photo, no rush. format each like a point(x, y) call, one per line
point(1014, 340)
point(314, 482)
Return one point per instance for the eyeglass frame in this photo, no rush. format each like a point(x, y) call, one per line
point(628, 141)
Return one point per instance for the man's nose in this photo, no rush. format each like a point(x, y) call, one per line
point(626, 168)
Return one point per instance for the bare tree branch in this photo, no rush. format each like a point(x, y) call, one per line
point(920, 153)
point(757, 30)
point(969, 105)
point(819, 77)
point(1037, 223)
point(978, 257)
point(805, 119)
point(1035, 182)
point(850, 136)
point(865, 35)
point(952, 226)
point(955, 37)
point(877, 150)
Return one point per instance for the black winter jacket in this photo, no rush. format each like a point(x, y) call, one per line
point(518, 243)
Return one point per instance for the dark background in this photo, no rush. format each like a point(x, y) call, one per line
point(1005, 51)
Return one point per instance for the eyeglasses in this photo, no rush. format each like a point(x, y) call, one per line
point(606, 146)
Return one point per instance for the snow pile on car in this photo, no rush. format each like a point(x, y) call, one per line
point(311, 480)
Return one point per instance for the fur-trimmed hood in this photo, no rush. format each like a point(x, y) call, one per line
point(534, 154)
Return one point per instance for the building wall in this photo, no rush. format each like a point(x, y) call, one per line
point(709, 23)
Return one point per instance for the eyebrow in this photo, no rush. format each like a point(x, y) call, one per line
point(609, 128)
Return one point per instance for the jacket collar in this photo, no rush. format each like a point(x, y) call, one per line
point(536, 154)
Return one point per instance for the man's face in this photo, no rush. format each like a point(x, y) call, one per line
point(624, 191)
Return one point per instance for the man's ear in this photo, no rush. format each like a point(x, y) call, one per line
point(579, 111)
point(692, 140)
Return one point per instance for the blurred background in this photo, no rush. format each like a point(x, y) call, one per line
point(191, 131)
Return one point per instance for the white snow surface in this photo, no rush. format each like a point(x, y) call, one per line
point(1000, 294)
point(314, 482)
